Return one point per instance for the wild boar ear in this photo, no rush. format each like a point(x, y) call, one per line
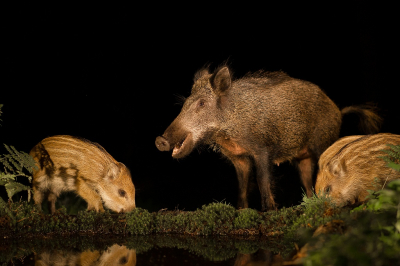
point(112, 172)
point(221, 80)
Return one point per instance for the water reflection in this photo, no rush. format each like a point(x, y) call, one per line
point(261, 257)
point(114, 255)
point(139, 250)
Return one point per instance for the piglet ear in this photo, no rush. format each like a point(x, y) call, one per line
point(338, 168)
point(221, 80)
point(112, 172)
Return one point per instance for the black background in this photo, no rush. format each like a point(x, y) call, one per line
point(113, 74)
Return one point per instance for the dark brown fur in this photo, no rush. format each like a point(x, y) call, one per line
point(259, 120)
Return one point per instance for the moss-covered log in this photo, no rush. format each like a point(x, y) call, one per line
point(211, 219)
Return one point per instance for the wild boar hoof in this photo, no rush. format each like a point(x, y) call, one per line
point(162, 144)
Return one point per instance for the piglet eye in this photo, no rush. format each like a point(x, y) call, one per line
point(328, 189)
point(202, 103)
point(123, 260)
point(121, 192)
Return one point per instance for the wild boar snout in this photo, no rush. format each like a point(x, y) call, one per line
point(162, 144)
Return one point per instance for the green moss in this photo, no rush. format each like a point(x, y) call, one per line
point(275, 223)
point(214, 218)
point(316, 211)
point(247, 247)
point(247, 219)
point(139, 222)
point(212, 248)
point(171, 222)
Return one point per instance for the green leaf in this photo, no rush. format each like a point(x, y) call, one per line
point(394, 166)
point(13, 187)
point(5, 178)
point(395, 148)
point(397, 225)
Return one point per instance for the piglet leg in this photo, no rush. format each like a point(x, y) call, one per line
point(90, 195)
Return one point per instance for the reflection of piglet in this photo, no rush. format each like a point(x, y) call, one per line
point(114, 255)
point(67, 163)
point(261, 257)
point(351, 166)
point(118, 255)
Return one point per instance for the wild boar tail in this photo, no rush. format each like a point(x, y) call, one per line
point(369, 120)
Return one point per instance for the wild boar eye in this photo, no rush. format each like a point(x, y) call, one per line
point(121, 192)
point(202, 103)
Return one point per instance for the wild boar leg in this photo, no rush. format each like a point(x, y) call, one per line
point(306, 168)
point(243, 166)
point(92, 198)
point(263, 175)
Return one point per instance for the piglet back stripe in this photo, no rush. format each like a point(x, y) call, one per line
point(352, 143)
point(67, 146)
point(363, 146)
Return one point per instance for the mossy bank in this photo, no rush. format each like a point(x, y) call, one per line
point(372, 228)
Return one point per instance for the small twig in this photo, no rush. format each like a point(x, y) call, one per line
point(22, 219)
point(17, 208)
point(385, 182)
point(398, 211)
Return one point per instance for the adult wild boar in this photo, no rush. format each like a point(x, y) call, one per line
point(256, 121)
point(351, 166)
point(67, 163)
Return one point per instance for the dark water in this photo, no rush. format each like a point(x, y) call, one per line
point(143, 250)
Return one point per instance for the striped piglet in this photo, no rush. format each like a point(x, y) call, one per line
point(352, 165)
point(67, 163)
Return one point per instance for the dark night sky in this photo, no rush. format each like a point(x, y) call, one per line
point(112, 74)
